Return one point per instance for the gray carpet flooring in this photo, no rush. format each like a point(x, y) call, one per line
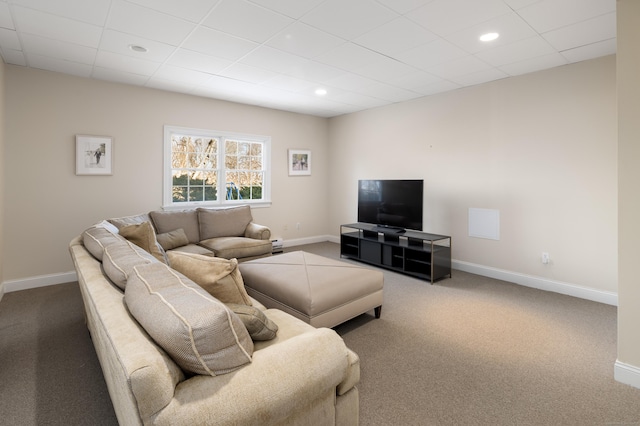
point(466, 351)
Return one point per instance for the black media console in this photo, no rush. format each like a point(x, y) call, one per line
point(422, 255)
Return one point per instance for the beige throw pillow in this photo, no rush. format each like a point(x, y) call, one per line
point(174, 239)
point(219, 277)
point(143, 235)
point(200, 333)
point(259, 326)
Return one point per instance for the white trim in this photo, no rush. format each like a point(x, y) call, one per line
point(39, 281)
point(307, 240)
point(627, 374)
point(540, 283)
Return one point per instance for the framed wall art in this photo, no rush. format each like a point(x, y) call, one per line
point(94, 155)
point(299, 162)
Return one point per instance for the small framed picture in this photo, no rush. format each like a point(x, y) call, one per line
point(299, 162)
point(94, 155)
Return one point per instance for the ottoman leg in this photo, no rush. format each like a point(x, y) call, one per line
point(378, 311)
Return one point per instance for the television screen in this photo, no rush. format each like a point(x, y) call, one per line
point(391, 203)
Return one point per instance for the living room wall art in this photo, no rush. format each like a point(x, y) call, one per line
point(94, 155)
point(299, 162)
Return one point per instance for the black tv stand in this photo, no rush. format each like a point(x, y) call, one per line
point(388, 229)
point(419, 254)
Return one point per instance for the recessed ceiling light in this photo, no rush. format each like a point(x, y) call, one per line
point(489, 36)
point(321, 92)
point(139, 49)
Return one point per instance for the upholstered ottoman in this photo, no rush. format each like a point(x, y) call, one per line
point(320, 291)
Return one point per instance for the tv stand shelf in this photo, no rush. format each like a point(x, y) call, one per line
point(419, 254)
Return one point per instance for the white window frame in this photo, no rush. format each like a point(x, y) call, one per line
point(168, 202)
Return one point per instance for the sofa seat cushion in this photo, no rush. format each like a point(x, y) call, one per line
point(237, 247)
point(193, 248)
point(200, 333)
point(219, 277)
point(229, 222)
point(167, 221)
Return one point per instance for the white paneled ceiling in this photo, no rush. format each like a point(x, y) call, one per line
point(277, 53)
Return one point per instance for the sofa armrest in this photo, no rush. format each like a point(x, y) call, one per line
point(292, 379)
point(257, 232)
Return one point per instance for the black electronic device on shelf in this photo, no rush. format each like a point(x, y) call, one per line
point(392, 205)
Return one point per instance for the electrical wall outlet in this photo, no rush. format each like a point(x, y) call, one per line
point(545, 258)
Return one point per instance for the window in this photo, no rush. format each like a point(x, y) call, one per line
point(215, 168)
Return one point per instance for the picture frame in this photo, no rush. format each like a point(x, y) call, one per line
point(299, 162)
point(94, 155)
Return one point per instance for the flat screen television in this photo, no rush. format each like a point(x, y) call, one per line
point(395, 204)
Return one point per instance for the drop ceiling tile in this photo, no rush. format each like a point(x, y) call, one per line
point(46, 25)
point(349, 81)
point(9, 39)
point(516, 52)
point(355, 18)
point(216, 43)
point(413, 80)
point(42, 46)
point(384, 68)
point(246, 20)
point(134, 19)
point(304, 40)
point(431, 54)
point(170, 85)
point(591, 51)
point(535, 64)
point(5, 17)
point(191, 10)
point(14, 57)
point(404, 6)
point(591, 31)
point(59, 65)
point(387, 92)
point(459, 67)
point(358, 99)
point(549, 15)
point(396, 36)
point(484, 76)
point(511, 28)
point(223, 84)
point(90, 11)
point(316, 71)
point(274, 60)
point(290, 84)
point(437, 87)
point(519, 4)
point(118, 42)
point(444, 17)
point(198, 61)
point(292, 8)
point(118, 76)
point(349, 57)
point(124, 63)
point(179, 74)
point(247, 73)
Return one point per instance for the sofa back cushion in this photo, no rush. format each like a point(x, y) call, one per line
point(167, 221)
point(120, 258)
point(200, 333)
point(230, 222)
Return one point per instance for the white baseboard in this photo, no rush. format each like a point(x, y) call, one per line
point(540, 283)
point(627, 374)
point(39, 281)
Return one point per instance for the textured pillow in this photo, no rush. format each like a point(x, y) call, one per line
point(143, 235)
point(119, 259)
point(219, 277)
point(230, 222)
point(95, 239)
point(120, 222)
point(173, 239)
point(200, 333)
point(259, 326)
point(167, 221)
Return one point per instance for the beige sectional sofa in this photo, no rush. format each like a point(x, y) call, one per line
point(229, 233)
point(174, 352)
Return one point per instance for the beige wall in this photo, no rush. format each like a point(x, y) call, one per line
point(46, 204)
point(540, 148)
point(628, 68)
